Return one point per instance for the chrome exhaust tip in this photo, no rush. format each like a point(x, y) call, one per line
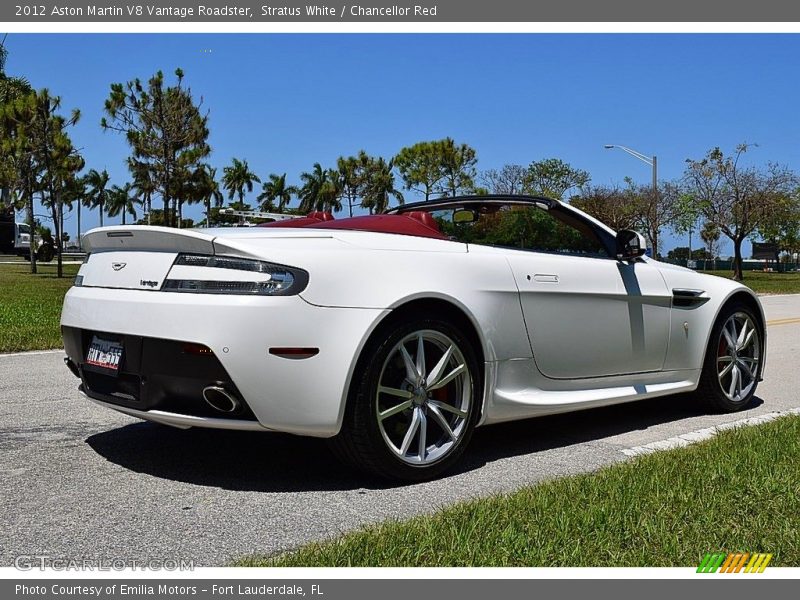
point(218, 398)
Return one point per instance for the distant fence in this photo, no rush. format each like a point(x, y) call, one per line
point(727, 265)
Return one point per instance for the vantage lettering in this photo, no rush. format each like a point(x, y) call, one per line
point(182, 12)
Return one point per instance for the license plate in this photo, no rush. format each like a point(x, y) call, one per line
point(105, 355)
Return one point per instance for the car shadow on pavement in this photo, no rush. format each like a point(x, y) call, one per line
point(273, 462)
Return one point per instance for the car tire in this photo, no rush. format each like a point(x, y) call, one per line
point(403, 425)
point(45, 253)
point(733, 361)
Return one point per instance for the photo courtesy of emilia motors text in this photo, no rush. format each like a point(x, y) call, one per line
point(399, 299)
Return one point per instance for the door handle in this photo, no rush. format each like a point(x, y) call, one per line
point(545, 278)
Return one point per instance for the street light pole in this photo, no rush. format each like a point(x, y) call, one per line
point(652, 161)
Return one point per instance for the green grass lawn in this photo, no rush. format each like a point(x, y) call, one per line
point(766, 283)
point(737, 492)
point(30, 306)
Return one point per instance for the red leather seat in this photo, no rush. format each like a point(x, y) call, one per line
point(425, 218)
point(320, 215)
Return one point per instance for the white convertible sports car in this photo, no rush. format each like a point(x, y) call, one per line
point(395, 335)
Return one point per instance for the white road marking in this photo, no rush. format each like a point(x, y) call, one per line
point(707, 433)
point(59, 350)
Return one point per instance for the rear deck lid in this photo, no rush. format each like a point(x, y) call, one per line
point(137, 258)
point(130, 270)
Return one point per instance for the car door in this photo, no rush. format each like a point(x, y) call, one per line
point(592, 317)
point(586, 313)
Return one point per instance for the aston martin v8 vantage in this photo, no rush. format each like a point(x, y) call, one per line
point(396, 335)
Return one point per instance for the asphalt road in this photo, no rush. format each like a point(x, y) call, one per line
point(81, 482)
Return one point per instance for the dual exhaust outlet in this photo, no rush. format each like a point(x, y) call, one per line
point(216, 396)
point(222, 400)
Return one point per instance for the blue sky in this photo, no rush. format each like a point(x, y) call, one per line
point(284, 102)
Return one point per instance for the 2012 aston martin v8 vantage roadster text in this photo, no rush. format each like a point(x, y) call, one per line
point(397, 334)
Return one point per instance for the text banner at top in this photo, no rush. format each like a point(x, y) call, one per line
point(420, 11)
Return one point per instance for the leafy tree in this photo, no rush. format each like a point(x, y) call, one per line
point(379, 185)
point(651, 213)
point(60, 160)
point(420, 167)
point(20, 172)
point(122, 201)
point(238, 179)
point(458, 167)
point(510, 179)
point(38, 157)
point(783, 226)
point(681, 253)
point(350, 172)
point(11, 88)
point(437, 167)
point(736, 198)
point(686, 210)
point(165, 128)
point(553, 178)
point(275, 188)
point(610, 205)
point(98, 191)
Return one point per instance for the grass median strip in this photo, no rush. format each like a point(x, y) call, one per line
point(766, 283)
point(30, 306)
point(738, 492)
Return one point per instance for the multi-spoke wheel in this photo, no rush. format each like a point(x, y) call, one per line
point(413, 411)
point(733, 362)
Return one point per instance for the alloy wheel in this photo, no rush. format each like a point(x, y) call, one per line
point(738, 355)
point(424, 397)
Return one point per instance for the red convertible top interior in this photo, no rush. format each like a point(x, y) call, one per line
point(418, 223)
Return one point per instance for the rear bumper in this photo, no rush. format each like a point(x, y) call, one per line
point(181, 421)
point(301, 396)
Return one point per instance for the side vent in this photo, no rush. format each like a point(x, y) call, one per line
point(686, 298)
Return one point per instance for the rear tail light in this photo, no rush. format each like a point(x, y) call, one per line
point(198, 349)
point(199, 273)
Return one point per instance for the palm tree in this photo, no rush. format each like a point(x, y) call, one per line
point(122, 200)
point(144, 185)
point(330, 195)
point(208, 189)
point(237, 178)
point(379, 186)
point(98, 192)
point(276, 189)
point(74, 195)
point(10, 87)
point(310, 190)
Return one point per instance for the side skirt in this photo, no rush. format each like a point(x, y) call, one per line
point(516, 395)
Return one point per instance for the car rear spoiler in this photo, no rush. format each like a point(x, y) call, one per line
point(149, 239)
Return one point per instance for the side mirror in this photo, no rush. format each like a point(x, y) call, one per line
point(630, 245)
point(464, 215)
